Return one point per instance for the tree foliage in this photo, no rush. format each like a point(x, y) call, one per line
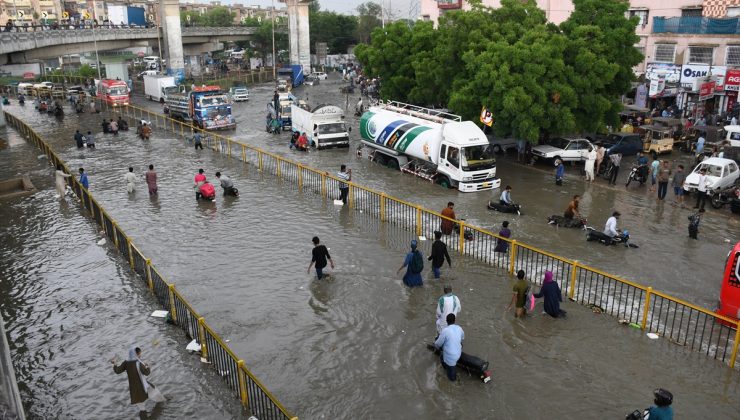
point(537, 78)
point(218, 16)
point(369, 17)
point(336, 30)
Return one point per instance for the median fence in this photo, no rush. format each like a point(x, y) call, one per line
point(241, 381)
point(681, 322)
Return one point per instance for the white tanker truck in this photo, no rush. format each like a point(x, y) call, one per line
point(430, 144)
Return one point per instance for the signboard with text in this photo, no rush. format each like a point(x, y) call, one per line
point(691, 73)
point(732, 80)
point(670, 73)
point(706, 90)
point(449, 4)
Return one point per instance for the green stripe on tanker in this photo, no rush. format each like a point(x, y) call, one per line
point(409, 137)
point(363, 125)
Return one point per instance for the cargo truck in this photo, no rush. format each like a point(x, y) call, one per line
point(206, 106)
point(324, 125)
point(293, 72)
point(157, 87)
point(434, 145)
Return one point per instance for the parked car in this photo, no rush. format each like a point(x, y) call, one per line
point(502, 145)
point(628, 144)
point(319, 75)
point(147, 73)
point(721, 173)
point(311, 80)
point(567, 149)
point(239, 93)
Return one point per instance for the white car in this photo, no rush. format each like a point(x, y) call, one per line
point(319, 75)
point(721, 173)
point(563, 148)
point(239, 94)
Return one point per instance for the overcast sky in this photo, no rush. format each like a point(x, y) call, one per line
point(400, 8)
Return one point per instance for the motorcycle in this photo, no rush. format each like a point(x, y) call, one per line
point(726, 196)
point(471, 364)
point(638, 174)
point(568, 223)
point(638, 415)
point(505, 208)
point(622, 238)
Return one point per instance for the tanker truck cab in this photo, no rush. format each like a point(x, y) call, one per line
point(430, 144)
point(729, 296)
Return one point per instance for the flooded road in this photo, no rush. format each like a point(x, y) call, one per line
point(354, 344)
point(70, 305)
point(668, 260)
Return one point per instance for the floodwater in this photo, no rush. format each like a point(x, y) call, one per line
point(71, 305)
point(668, 260)
point(353, 345)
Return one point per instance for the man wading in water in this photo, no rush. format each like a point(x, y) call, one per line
point(319, 255)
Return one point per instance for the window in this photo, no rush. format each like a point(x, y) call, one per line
point(640, 13)
point(733, 55)
point(700, 55)
point(665, 53)
point(733, 12)
point(691, 12)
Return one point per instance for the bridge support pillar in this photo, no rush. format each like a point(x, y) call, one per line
point(172, 37)
point(300, 41)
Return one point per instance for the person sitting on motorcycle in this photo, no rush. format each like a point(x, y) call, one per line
point(610, 229)
point(294, 139)
point(662, 409)
point(275, 126)
point(572, 211)
point(302, 143)
point(505, 198)
point(642, 159)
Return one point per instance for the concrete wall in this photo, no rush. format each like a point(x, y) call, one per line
point(172, 36)
point(300, 40)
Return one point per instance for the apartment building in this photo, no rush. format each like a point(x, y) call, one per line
point(555, 10)
point(240, 11)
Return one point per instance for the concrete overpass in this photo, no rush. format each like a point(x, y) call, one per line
point(23, 47)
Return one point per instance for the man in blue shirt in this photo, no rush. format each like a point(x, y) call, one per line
point(505, 198)
point(700, 145)
point(450, 342)
point(83, 178)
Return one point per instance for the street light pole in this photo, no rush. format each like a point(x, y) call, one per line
point(274, 60)
point(97, 58)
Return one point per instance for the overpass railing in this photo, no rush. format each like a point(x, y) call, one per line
point(681, 322)
point(242, 383)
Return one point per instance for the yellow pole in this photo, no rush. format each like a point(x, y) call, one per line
point(647, 307)
point(173, 311)
point(278, 164)
point(130, 254)
point(202, 337)
point(149, 274)
point(228, 144)
point(461, 238)
point(512, 260)
point(323, 185)
point(352, 196)
point(382, 207)
point(573, 275)
point(735, 345)
point(259, 160)
point(300, 177)
point(244, 154)
point(242, 381)
point(115, 232)
point(418, 221)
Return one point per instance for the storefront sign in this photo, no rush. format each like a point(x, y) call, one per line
point(670, 73)
point(641, 94)
point(693, 72)
point(656, 87)
point(732, 80)
point(706, 90)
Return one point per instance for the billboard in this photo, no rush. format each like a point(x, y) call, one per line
point(693, 74)
point(449, 4)
point(732, 80)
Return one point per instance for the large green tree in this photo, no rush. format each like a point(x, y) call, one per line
point(336, 30)
point(369, 17)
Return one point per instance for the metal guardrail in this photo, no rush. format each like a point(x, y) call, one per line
point(696, 25)
point(241, 381)
point(683, 323)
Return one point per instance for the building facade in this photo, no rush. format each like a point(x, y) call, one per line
point(555, 10)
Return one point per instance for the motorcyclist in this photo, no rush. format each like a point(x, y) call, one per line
point(572, 211)
point(610, 229)
point(662, 409)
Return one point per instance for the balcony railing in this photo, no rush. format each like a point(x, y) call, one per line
point(696, 25)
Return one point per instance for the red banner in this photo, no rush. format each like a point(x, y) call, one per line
point(732, 80)
point(706, 90)
point(29, 75)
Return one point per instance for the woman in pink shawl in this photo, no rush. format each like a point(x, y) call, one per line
point(551, 292)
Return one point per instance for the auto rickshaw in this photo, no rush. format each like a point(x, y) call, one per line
point(713, 136)
point(660, 135)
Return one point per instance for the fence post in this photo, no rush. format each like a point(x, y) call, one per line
point(382, 206)
point(418, 221)
point(735, 346)
point(149, 274)
point(461, 239)
point(115, 232)
point(323, 185)
point(512, 260)
point(572, 290)
point(300, 177)
point(259, 160)
point(173, 311)
point(646, 308)
point(228, 144)
point(351, 197)
point(242, 381)
point(202, 338)
point(278, 164)
point(130, 254)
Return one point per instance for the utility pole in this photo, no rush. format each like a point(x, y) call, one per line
point(274, 59)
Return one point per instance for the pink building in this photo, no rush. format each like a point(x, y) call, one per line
point(686, 43)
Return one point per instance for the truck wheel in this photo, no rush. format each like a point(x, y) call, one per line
point(497, 149)
point(161, 100)
point(443, 182)
point(380, 159)
point(393, 164)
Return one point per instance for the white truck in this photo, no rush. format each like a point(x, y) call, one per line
point(157, 87)
point(431, 144)
point(324, 125)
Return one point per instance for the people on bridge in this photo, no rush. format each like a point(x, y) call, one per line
point(439, 254)
point(344, 175)
point(551, 292)
point(414, 264)
point(130, 179)
point(505, 198)
point(572, 211)
point(319, 256)
point(447, 304)
point(198, 180)
point(520, 296)
point(140, 389)
point(502, 245)
point(113, 127)
point(207, 191)
point(79, 139)
point(146, 131)
point(450, 343)
point(106, 126)
point(227, 184)
point(151, 180)
point(448, 224)
point(60, 182)
point(122, 124)
point(90, 140)
point(610, 229)
point(83, 179)
point(198, 140)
